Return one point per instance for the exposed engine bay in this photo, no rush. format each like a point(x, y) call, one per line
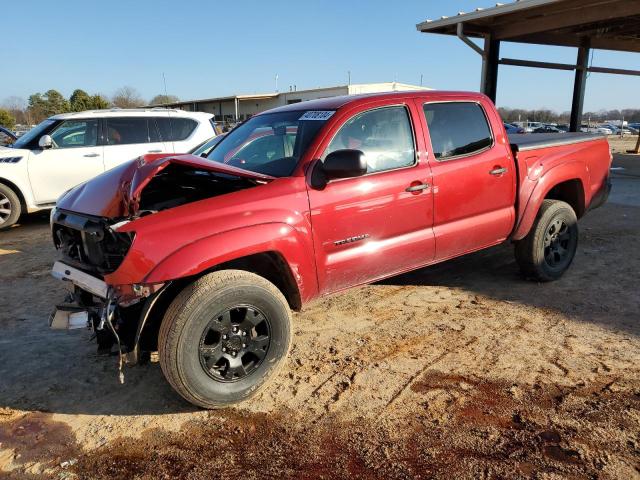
point(179, 184)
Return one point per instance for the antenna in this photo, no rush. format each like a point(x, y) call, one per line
point(276, 82)
point(348, 77)
point(166, 96)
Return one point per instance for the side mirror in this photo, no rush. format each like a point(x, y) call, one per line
point(339, 164)
point(45, 142)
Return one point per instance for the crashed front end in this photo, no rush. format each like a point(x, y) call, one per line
point(91, 248)
point(91, 231)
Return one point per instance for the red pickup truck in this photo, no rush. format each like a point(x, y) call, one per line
point(203, 259)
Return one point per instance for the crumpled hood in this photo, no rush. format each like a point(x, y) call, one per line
point(116, 193)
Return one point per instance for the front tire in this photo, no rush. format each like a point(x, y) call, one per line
point(224, 337)
point(10, 207)
point(548, 250)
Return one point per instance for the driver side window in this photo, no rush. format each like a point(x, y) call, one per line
point(384, 135)
point(76, 133)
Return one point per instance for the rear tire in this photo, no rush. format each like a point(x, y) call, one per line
point(224, 337)
point(10, 207)
point(548, 250)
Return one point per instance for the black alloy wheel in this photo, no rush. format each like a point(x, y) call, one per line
point(234, 343)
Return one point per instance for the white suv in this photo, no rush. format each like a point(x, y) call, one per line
point(68, 149)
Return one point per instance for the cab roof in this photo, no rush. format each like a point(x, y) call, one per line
point(335, 103)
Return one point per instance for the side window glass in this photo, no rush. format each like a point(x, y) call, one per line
point(76, 133)
point(127, 130)
point(383, 134)
point(174, 129)
point(457, 128)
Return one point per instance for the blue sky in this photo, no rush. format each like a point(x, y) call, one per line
point(208, 49)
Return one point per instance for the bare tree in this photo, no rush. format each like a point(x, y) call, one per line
point(127, 97)
point(163, 99)
point(17, 106)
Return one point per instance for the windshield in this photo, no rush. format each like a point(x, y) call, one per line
point(272, 143)
point(35, 132)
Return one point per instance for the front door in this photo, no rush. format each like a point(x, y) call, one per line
point(74, 157)
point(473, 178)
point(373, 226)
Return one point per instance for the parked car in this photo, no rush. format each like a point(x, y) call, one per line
point(548, 129)
point(510, 128)
point(66, 150)
point(616, 130)
point(203, 260)
point(7, 137)
point(600, 130)
point(205, 147)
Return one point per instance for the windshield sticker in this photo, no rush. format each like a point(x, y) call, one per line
point(317, 115)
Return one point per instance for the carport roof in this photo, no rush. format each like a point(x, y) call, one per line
point(605, 24)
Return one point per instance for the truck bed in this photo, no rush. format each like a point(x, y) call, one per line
point(529, 141)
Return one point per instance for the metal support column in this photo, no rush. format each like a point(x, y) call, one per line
point(579, 87)
point(490, 62)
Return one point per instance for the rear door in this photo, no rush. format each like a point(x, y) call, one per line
point(75, 156)
point(127, 138)
point(177, 133)
point(375, 225)
point(473, 177)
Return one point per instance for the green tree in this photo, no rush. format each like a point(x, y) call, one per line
point(163, 99)
point(80, 101)
point(6, 119)
point(51, 103)
point(98, 102)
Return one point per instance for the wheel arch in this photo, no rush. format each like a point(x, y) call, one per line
point(565, 182)
point(17, 191)
point(270, 265)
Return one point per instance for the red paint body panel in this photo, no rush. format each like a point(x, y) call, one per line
point(355, 230)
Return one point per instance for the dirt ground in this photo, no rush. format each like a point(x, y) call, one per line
point(462, 370)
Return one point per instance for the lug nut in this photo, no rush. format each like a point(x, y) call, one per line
point(244, 334)
point(233, 354)
point(224, 337)
point(244, 345)
point(235, 329)
point(224, 349)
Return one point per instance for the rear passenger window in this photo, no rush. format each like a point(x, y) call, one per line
point(127, 130)
point(174, 129)
point(383, 134)
point(457, 128)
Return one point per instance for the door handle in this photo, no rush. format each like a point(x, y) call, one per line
point(154, 151)
point(417, 188)
point(498, 171)
point(92, 155)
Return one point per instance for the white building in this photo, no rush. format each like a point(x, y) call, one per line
point(240, 107)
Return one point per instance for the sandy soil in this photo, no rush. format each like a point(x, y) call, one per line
point(462, 370)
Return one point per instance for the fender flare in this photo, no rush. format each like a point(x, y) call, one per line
point(556, 175)
point(204, 254)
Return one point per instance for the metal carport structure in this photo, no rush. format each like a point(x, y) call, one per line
point(585, 24)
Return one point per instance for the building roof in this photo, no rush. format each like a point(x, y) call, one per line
point(260, 96)
point(605, 24)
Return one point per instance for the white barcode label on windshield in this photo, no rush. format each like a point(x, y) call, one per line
point(316, 115)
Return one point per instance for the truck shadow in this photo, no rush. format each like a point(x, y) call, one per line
point(599, 287)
